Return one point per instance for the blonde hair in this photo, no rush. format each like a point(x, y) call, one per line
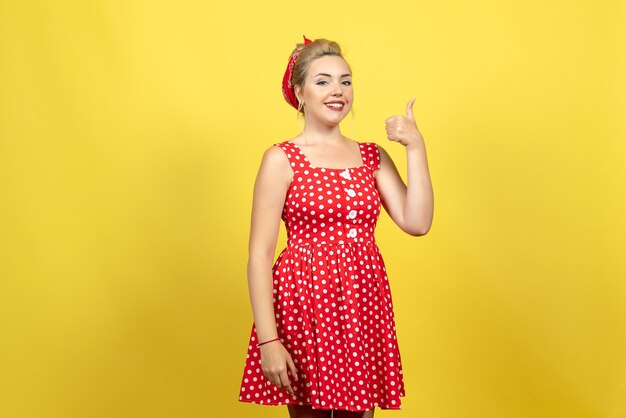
point(309, 53)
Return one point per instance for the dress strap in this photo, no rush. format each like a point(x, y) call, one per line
point(295, 156)
point(371, 155)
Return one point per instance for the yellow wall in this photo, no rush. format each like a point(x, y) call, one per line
point(130, 136)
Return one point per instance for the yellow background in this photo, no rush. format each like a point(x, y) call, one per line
point(130, 137)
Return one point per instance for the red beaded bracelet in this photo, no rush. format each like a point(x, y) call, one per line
point(260, 344)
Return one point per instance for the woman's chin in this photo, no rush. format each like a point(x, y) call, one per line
point(331, 119)
point(336, 118)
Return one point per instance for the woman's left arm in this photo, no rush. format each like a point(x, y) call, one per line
point(411, 208)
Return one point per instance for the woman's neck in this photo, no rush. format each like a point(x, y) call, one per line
point(319, 133)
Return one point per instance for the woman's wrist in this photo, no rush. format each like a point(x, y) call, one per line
point(268, 341)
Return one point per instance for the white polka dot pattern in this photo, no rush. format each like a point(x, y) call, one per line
point(332, 299)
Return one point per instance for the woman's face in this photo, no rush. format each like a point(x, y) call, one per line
point(328, 80)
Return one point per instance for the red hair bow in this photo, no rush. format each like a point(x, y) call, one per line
point(288, 91)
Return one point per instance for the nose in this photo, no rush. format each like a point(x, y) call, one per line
point(337, 90)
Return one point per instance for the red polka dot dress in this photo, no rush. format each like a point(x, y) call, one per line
point(332, 300)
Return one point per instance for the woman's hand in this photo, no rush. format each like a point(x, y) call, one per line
point(275, 362)
point(403, 129)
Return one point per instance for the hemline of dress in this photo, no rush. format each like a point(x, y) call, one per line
point(385, 407)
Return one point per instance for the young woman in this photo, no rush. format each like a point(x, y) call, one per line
point(323, 339)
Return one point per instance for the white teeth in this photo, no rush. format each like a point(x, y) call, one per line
point(337, 105)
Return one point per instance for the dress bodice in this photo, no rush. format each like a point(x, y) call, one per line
point(329, 206)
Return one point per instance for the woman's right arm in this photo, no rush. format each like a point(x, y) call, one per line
point(270, 188)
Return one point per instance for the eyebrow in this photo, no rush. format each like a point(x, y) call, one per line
point(328, 75)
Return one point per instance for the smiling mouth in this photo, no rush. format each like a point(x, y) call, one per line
point(334, 106)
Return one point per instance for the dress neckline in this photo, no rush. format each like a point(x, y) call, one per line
point(327, 168)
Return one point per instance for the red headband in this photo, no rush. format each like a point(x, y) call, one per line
point(288, 91)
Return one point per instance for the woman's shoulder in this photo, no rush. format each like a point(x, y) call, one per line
point(275, 155)
point(371, 146)
point(273, 150)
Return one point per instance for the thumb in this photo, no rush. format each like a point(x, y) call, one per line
point(409, 109)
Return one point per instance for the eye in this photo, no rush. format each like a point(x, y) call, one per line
point(349, 83)
point(319, 82)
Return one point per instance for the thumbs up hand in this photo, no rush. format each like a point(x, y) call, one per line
point(402, 128)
